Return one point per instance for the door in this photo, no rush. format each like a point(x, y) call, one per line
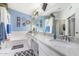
point(71, 23)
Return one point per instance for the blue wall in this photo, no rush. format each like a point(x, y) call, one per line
point(13, 18)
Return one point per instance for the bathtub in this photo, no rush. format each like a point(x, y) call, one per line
point(19, 41)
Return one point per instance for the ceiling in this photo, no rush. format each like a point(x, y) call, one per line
point(54, 8)
point(29, 8)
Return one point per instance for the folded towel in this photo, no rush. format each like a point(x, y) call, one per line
point(3, 35)
point(8, 28)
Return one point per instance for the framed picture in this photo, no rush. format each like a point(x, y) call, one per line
point(18, 22)
point(41, 23)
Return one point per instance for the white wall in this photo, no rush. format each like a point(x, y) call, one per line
point(4, 15)
point(26, 8)
point(69, 12)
